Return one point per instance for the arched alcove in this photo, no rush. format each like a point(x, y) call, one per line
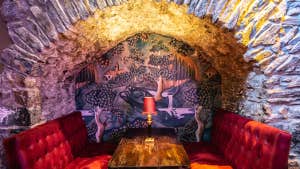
point(65, 36)
point(148, 64)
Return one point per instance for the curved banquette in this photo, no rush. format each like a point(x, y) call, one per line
point(241, 143)
point(237, 143)
point(58, 144)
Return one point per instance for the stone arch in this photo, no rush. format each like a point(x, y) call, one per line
point(269, 29)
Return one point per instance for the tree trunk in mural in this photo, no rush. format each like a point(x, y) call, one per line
point(160, 88)
point(200, 124)
point(100, 125)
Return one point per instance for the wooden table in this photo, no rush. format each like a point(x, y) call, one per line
point(163, 152)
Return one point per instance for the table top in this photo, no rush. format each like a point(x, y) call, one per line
point(133, 132)
point(163, 152)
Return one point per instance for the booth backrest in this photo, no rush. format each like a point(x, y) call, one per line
point(261, 147)
point(74, 130)
point(47, 146)
point(225, 126)
point(248, 144)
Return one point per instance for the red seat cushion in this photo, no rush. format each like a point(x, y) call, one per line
point(54, 145)
point(204, 153)
point(95, 149)
point(96, 162)
point(196, 165)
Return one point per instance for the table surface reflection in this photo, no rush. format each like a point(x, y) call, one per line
point(163, 152)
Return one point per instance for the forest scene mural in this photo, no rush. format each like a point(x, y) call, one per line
point(186, 88)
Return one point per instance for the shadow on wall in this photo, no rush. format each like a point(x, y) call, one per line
point(5, 39)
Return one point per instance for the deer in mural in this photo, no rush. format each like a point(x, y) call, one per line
point(100, 125)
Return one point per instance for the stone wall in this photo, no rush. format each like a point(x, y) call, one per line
point(5, 39)
point(55, 39)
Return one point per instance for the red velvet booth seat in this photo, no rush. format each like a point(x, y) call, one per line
point(241, 143)
point(58, 144)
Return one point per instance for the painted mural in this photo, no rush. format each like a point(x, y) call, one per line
point(186, 88)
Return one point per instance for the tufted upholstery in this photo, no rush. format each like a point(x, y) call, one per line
point(259, 146)
point(43, 147)
point(225, 126)
point(57, 144)
point(75, 132)
point(241, 143)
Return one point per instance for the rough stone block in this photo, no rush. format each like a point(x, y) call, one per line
point(289, 35)
point(101, 4)
point(179, 2)
point(228, 10)
point(275, 64)
point(14, 10)
point(290, 81)
point(71, 11)
point(272, 81)
point(26, 54)
point(61, 13)
point(91, 5)
point(291, 20)
point(295, 48)
point(211, 7)
point(17, 61)
point(219, 7)
point(44, 22)
point(109, 2)
point(268, 35)
point(82, 10)
point(201, 7)
point(192, 6)
point(55, 19)
point(33, 26)
point(290, 62)
point(252, 52)
point(18, 41)
point(280, 14)
point(29, 39)
point(294, 8)
point(117, 2)
point(18, 117)
point(233, 19)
